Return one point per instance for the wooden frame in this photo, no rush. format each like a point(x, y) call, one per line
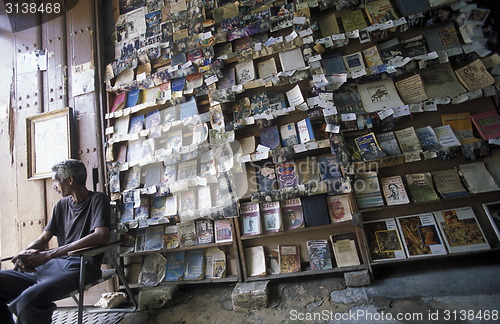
point(49, 139)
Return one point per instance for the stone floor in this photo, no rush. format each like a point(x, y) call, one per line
point(445, 291)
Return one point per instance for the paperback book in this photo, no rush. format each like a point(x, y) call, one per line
point(289, 258)
point(194, 265)
point(170, 237)
point(255, 261)
point(223, 231)
point(187, 233)
point(320, 257)
point(287, 174)
point(394, 190)
point(421, 187)
point(389, 144)
point(175, 266)
point(448, 183)
point(204, 231)
point(271, 216)
point(291, 211)
point(345, 249)
point(339, 208)
point(367, 190)
point(250, 219)
point(477, 178)
point(315, 210)
point(384, 240)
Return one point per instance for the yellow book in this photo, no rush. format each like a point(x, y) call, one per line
point(329, 26)
point(352, 20)
point(380, 11)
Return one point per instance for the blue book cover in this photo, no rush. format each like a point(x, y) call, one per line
point(270, 137)
point(289, 135)
point(132, 98)
point(178, 84)
point(334, 65)
point(329, 168)
point(188, 109)
point(136, 124)
point(266, 178)
point(175, 266)
point(194, 265)
point(305, 130)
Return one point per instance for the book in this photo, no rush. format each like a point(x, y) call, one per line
point(421, 187)
point(255, 261)
point(421, 235)
point(272, 261)
point(389, 49)
point(187, 170)
point(394, 190)
point(461, 125)
point(188, 108)
point(154, 238)
point(334, 64)
point(328, 25)
point(367, 190)
point(321, 136)
point(142, 212)
point(492, 210)
point(245, 72)
point(308, 170)
point(380, 11)
point(204, 198)
point(487, 124)
point(383, 240)
point(411, 89)
point(289, 135)
point(442, 38)
point(270, 137)
point(136, 124)
point(408, 140)
point(187, 233)
point(339, 208)
point(389, 144)
point(292, 214)
point(446, 137)
point(320, 257)
point(369, 148)
point(291, 60)
point(223, 230)
point(440, 81)
point(344, 249)
point(152, 270)
point(175, 266)
point(171, 206)
point(215, 263)
point(271, 216)
point(413, 47)
point(250, 219)
point(287, 175)
point(461, 230)
point(204, 231)
point(289, 258)
point(267, 68)
point(477, 178)
point(315, 210)
point(448, 183)
point(170, 237)
point(329, 168)
point(428, 139)
point(474, 76)
point(266, 177)
point(379, 95)
point(305, 130)
point(127, 213)
point(140, 240)
point(353, 20)
point(194, 261)
point(188, 200)
point(412, 7)
point(372, 56)
point(354, 62)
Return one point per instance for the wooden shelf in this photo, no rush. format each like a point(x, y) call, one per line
point(230, 279)
point(308, 273)
point(185, 248)
point(297, 230)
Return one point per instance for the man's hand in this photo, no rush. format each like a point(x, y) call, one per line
point(28, 260)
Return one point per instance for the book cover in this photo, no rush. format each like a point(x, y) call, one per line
point(291, 211)
point(379, 95)
point(348, 99)
point(127, 213)
point(308, 170)
point(380, 11)
point(411, 89)
point(228, 79)
point(339, 208)
point(188, 200)
point(266, 177)
point(242, 109)
point(171, 206)
point(154, 238)
point(334, 65)
point(152, 122)
point(367, 190)
point(389, 49)
point(169, 114)
point(321, 136)
point(215, 263)
point(204, 231)
point(461, 125)
point(136, 124)
point(328, 25)
point(461, 230)
point(329, 168)
point(223, 231)
point(187, 170)
point(344, 249)
point(315, 210)
point(353, 20)
point(175, 266)
point(354, 62)
point(413, 47)
point(272, 259)
point(270, 137)
point(421, 235)
point(291, 60)
point(118, 101)
point(477, 178)
point(408, 140)
point(428, 139)
point(287, 174)
point(492, 210)
point(267, 68)
point(384, 240)
point(372, 56)
point(320, 257)
point(204, 198)
point(140, 240)
point(446, 137)
point(289, 135)
point(448, 183)
point(170, 237)
point(271, 216)
point(250, 219)
point(132, 98)
point(369, 148)
point(188, 109)
point(442, 38)
point(389, 144)
point(153, 270)
point(187, 233)
point(142, 212)
point(421, 187)
point(245, 72)
point(440, 81)
point(194, 265)
point(255, 261)
point(394, 190)
point(305, 130)
point(158, 207)
point(289, 258)
point(487, 124)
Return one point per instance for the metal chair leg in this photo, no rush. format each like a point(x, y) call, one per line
point(81, 289)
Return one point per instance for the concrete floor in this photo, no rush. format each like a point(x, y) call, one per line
point(444, 291)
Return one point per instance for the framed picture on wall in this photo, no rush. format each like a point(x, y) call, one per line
point(49, 141)
point(492, 209)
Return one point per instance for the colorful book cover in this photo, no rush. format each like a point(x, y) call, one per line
point(266, 178)
point(170, 237)
point(380, 11)
point(421, 187)
point(352, 20)
point(344, 249)
point(448, 183)
point(394, 190)
point(289, 134)
point(487, 124)
point(250, 219)
point(292, 213)
point(175, 266)
point(305, 130)
point(270, 137)
point(194, 265)
point(308, 170)
point(204, 231)
point(154, 238)
point(320, 257)
point(461, 124)
point(369, 148)
point(384, 240)
point(329, 168)
point(289, 258)
point(428, 139)
point(421, 235)
point(367, 190)
point(461, 230)
point(287, 174)
point(223, 231)
point(389, 144)
point(187, 233)
point(271, 216)
point(339, 208)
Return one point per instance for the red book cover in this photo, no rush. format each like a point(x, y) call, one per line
point(487, 124)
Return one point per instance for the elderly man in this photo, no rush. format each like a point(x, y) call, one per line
point(41, 275)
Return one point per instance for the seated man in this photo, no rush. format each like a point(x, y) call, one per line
point(41, 275)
